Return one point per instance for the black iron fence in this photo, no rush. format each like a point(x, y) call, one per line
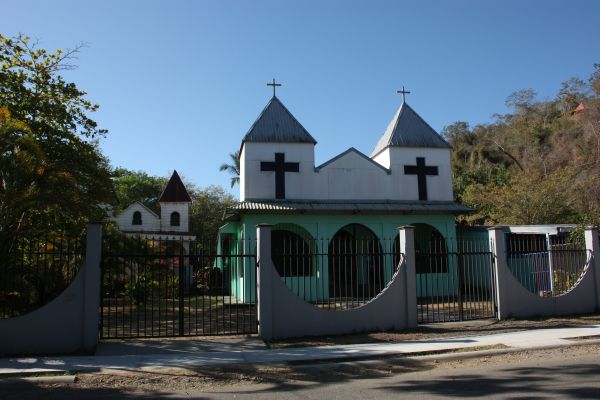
point(156, 287)
point(337, 274)
point(546, 265)
point(455, 280)
point(34, 270)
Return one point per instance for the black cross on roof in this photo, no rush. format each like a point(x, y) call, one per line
point(274, 84)
point(404, 93)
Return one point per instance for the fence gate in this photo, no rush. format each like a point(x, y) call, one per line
point(455, 280)
point(162, 288)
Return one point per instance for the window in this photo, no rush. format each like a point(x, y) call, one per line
point(175, 218)
point(137, 218)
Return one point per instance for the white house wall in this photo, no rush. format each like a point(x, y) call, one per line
point(349, 177)
point(165, 216)
point(150, 222)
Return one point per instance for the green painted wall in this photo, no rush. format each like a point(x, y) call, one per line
point(323, 227)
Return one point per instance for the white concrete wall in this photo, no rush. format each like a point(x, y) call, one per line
point(150, 222)
point(349, 177)
point(165, 217)
point(67, 324)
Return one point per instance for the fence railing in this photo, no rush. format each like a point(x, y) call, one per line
point(335, 274)
point(34, 270)
point(547, 266)
point(160, 287)
point(455, 279)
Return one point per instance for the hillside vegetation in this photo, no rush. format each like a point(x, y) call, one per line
point(538, 164)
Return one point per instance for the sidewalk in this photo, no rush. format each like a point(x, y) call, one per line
point(195, 353)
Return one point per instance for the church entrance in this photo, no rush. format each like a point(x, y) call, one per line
point(356, 269)
point(156, 287)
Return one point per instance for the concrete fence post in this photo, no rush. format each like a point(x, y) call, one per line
point(264, 291)
point(498, 246)
point(406, 235)
point(91, 292)
point(592, 243)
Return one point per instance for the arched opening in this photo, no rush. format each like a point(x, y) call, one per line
point(175, 218)
point(291, 251)
point(355, 265)
point(137, 218)
point(431, 250)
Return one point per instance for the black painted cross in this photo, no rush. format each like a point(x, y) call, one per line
point(280, 167)
point(421, 170)
point(404, 93)
point(274, 84)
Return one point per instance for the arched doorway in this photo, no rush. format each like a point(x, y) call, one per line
point(355, 273)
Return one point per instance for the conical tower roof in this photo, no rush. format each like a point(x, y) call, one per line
point(175, 191)
point(408, 129)
point(276, 124)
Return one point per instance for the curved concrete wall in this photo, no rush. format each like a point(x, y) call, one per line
point(514, 300)
point(580, 299)
point(67, 324)
point(282, 314)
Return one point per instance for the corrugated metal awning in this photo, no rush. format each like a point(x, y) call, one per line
point(345, 207)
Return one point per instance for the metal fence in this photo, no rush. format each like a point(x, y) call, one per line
point(455, 280)
point(160, 288)
point(337, 274)
point(34, 270)
point(546, 265)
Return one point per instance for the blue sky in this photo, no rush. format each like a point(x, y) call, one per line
point(180, 82)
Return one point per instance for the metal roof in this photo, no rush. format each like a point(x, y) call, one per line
point(408, 129)
point(346, 207)
point(276, 124)
point(175, 191)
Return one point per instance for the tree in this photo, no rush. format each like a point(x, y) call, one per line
point(208, 208)
point(53, 174)
point(133, 186)
point(233, 168)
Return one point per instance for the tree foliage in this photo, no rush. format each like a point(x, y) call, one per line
point(53, 174)
point(233, 168)
point(538, 164)
point(133, 186)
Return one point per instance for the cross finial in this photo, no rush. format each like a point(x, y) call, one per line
point(274, 84)
point(404, 93)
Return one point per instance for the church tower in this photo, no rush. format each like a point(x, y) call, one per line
point(418, 157)
point(175, 205)
point(277, 149)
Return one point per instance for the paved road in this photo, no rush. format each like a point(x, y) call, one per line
point(560, 377)
point(566, 373)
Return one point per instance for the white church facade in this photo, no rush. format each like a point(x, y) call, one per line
point(406, 180)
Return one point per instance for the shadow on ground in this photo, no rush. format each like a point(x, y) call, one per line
point(533, 383)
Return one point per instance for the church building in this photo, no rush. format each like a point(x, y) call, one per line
point(406, 180)
point(173, 223)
